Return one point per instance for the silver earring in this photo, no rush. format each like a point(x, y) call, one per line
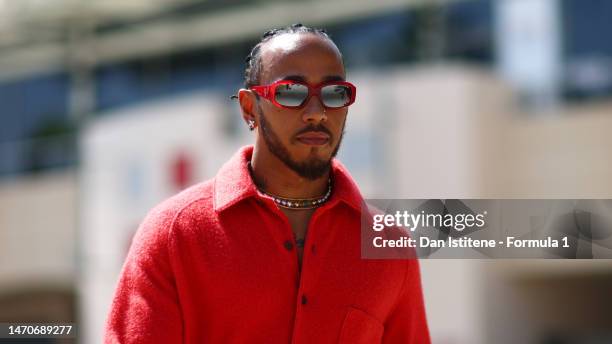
point(251, 124)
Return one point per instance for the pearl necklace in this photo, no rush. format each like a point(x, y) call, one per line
point(298, 203)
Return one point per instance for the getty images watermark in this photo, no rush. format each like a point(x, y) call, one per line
point(487, 229)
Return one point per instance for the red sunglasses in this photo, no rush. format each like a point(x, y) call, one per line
point(294, 95)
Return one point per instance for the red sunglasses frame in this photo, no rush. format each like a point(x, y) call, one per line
point(268, 92)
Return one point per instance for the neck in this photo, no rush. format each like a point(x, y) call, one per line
point(274, 177)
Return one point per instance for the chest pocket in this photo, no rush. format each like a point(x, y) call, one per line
point(360, 328)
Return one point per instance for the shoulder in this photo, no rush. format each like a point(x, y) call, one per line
point(182, 208)
point(198, 196)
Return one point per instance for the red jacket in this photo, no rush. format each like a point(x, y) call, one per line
point(217, 264)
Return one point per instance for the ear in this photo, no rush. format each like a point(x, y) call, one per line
point(247, 101)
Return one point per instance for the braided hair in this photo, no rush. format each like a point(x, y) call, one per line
point(253, 60)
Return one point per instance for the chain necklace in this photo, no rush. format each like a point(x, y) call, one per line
point(298, 203)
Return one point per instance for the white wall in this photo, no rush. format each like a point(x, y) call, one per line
point(38, 222)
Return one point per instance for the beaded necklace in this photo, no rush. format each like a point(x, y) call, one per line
point(298, 203)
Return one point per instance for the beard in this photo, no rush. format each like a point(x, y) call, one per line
point(312, 168)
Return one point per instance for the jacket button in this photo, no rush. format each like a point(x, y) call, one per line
point(304, 300)
point(288, 245)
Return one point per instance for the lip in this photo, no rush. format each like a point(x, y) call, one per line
point(313, 138)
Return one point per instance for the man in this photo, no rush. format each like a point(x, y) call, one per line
point(269, 250)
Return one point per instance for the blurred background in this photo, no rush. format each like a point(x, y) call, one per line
point(108, 107)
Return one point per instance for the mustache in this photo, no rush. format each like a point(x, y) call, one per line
point(314, 128)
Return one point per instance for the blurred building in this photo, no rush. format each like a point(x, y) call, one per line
point(108, 107)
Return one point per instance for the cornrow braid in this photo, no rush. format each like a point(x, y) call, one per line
point(253, 60)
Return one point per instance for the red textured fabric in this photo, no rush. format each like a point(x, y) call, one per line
point(217, 264)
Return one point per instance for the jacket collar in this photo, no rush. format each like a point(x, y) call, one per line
point(233, 183)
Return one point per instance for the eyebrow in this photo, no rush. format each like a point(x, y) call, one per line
point(300, 78)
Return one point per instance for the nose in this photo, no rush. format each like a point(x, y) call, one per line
point(314, 111)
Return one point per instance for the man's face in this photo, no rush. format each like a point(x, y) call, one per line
point(304, 139)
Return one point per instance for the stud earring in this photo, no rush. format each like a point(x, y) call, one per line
point(251, 124)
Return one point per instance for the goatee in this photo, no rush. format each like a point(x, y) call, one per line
point(311, 169)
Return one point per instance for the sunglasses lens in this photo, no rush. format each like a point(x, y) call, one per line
point(336, 96)
point(291, 94)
